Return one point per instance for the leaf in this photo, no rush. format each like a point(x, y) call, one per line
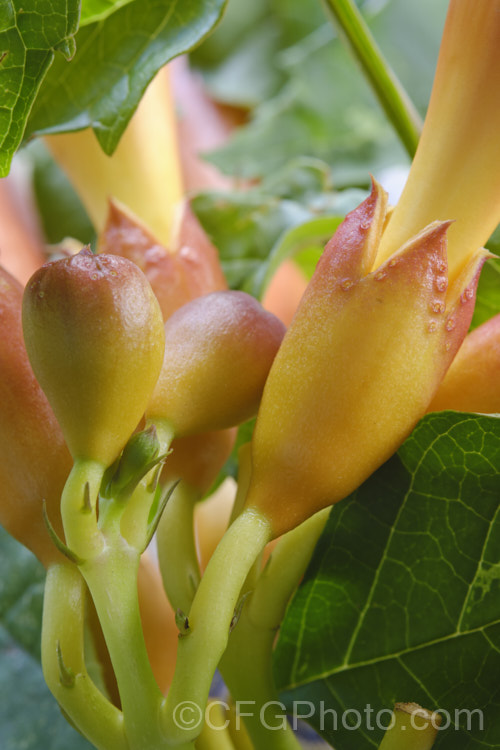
point(29, 36)
point(29, 716)
point(488, 292)
point(255, 230)
point(401, 601)
point(60, 210)
point(98, 10)
point(116, 59)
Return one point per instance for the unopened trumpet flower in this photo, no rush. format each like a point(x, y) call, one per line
point(358, 366)
point(388, 306)
point(94, 335)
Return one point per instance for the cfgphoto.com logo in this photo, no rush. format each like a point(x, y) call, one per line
point(274, 716)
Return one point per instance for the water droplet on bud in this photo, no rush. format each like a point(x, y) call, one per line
point(432, 326)
point(450, 324)
point(346, 284)
point(380, 275)
point(441, 283)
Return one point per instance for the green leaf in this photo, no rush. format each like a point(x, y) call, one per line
point(30, 718)
point(402, 598)
point(30, 33)
point(488, 293)
point(115, 61)
point(255, 230)
point(98, 10)
point(59, 207)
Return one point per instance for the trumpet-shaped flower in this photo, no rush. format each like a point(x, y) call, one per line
point(358, 366)
point(391, 301)
point(455, 173)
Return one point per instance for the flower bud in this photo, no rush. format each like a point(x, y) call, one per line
point(94, 336)
point(197, 459)
point(34, 459)
point(176, 277)
point(358, 366)
point(218, 351)
point(473, 381)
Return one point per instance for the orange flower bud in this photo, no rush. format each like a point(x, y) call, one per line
point(473, 381)
point(218, 351)
point(35, 461)
point(176, 277)
point(94, 336)
point(197, 459)
point(358, 365)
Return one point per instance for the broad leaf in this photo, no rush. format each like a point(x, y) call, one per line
point(30, 33)
point(401, 601)
point(29, 716)
point(115, 61)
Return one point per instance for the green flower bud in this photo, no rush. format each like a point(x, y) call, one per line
point(94, 335)
point(218, 351)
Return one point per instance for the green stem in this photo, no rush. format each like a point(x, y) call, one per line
point(112, 580)
point(413, 728)
point(79, 508)
point(63, 661)
point(394, 100)
point(247, 663)
point(177, 550)
point(210, 616)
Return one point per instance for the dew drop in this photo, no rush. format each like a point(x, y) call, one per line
point(448, 346)
point(441, 266)
point(393, 262)
point(346, 284)
point(94, 277)
point(113, 273)
point(450, 324)
point(380, 275)
point(441, 284)
point(41, 295)
point(432, 326)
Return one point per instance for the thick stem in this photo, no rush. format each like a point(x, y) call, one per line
point(177, 550)
point(247, 663)
point(63, 661)
point(209, 622)
point(412, 728)
point(78, 508)
point(386, 86)
point(112, 580)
